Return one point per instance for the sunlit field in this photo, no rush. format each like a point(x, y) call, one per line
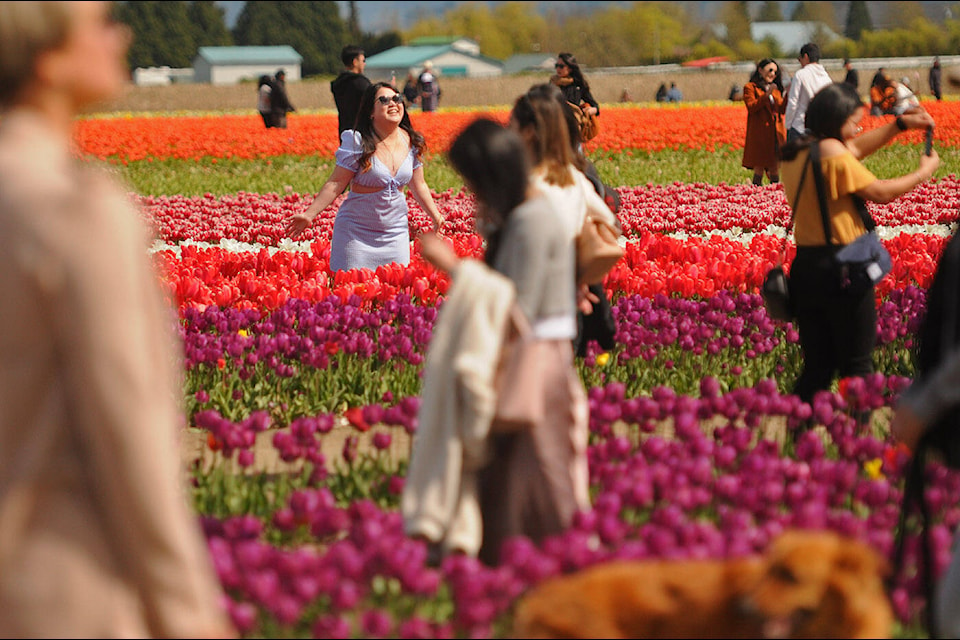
point(302, 385)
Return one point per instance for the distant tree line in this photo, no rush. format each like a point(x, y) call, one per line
point(646, 33)
point(170, 32)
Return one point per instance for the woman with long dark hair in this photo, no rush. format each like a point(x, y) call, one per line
point(533, 483)
point(766, 132)
point(575, 87)
point(836, 320)
point(377, 160)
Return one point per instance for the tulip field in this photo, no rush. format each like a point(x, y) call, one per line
point(302, 386)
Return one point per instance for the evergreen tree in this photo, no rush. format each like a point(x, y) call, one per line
point(374, 43)
point(858, 20)
point(770, 12)
point(314, 29)
point(736, 17)
point(353, 21)
point(815, 12)
point(209, 23)
point(162, 33)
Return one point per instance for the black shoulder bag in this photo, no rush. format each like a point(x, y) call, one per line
point(775, 290)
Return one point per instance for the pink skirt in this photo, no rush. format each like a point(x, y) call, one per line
point(537, 479)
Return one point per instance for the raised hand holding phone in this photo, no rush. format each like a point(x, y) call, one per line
point(928, 141)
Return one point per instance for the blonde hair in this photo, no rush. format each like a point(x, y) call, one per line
point(27, 30)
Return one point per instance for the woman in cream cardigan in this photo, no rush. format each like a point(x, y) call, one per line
point(96, 535)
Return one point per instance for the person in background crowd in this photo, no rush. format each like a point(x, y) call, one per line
point(838, 322)
point(264, 87)
point(807, 81)
point(883, 95)
point(876, 77)
point(766, 133)
point(935, 78)
point(348, 87)
point(377, 160)
point(97, 537)
point(853, 77)
point(906, 99)
point(279, 101)
point(673, 93)
point(661, 93)
point(428, 86)
point(410, 92)
point(736, 93)
point(576, 90)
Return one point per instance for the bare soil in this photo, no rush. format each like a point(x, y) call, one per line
point(314, 93)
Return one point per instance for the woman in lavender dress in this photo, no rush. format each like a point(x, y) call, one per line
point(377, 160)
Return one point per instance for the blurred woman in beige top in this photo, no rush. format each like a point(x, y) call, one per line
point(97, 538)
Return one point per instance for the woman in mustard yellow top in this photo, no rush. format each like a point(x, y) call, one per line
point(837, 325)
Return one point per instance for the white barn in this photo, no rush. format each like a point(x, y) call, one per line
point(230, 65)
point(451, 57)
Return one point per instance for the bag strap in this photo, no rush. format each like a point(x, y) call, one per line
point(821, 191)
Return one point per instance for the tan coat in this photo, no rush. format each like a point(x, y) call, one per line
point(766, 131)
point(96, 535)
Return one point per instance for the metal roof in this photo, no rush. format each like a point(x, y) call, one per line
point(282, 54)
point(423, 41)
point(520, 62)
point(407, 56)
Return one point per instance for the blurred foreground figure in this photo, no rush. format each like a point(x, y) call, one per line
point(96, 535)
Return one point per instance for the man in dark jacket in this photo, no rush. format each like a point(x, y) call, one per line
point(935, 78)
point(348, 87)
point(852, 77)
point(279, 102)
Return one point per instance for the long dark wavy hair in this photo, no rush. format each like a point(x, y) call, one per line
point(758, 80)
point(494, 165)
point(364, 124)
point(826, 114)
point(575, 73)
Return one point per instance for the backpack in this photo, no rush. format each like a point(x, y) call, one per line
point(939, 335)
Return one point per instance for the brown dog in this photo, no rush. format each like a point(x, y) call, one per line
point(809, 584)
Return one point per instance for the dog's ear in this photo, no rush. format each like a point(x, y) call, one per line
point(858, 558)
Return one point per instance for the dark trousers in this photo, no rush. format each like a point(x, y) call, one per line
point(838, 327)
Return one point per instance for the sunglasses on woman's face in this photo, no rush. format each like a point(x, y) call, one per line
point(395, 98)
point(559, 65)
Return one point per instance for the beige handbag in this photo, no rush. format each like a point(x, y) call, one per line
point(597, 250)
point(519, 378)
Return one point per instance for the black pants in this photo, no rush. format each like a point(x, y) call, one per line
point(838, 328)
